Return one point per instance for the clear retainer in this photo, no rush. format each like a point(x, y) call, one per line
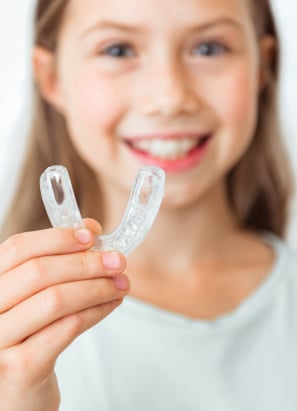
point(143, 205)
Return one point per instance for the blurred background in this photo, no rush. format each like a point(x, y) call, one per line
point(15, 96)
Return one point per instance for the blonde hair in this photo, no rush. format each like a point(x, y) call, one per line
point(259, 186)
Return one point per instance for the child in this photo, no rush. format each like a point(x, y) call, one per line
point(210, 320)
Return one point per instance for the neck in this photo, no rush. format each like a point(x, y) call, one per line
point(195, 260)
point(194, 233)
point(180, 235)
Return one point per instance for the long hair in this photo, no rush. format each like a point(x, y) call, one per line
point(48, 144)
point(259, 186)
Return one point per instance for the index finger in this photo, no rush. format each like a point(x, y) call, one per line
point(53, 241)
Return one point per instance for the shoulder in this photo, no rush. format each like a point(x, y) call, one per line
point(285, 267)
point(286, 255)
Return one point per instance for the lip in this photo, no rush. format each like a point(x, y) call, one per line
point(166, 136)
point(190, 160)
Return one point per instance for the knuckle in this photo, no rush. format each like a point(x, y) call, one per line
point(13, 363)
point(61, 234)
point(75, 323)
point(84, 263)
point(15, 245)
point(53, 300)
point(15, 241)
point(5, 365)
point(35, 269)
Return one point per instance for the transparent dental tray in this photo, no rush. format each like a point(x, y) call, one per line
point(143, 205)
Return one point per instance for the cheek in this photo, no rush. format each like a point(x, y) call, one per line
point(237, 103)
point(236, 108)
point(92, 108)
point(94, 102)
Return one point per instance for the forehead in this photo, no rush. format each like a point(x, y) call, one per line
point(155, 12)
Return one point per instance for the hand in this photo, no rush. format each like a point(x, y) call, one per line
point(52, 288)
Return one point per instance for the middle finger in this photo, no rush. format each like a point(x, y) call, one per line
point(40, 273)
point(54, 303)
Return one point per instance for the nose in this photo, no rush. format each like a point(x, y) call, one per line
point(168, 91)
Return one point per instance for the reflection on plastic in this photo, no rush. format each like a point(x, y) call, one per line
point(144, 203)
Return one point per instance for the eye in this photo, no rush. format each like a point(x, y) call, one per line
point(120, 50)
point(210, 49)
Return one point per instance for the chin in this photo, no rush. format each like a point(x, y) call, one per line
point(174, 199)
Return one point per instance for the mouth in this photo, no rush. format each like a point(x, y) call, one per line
point(169, 149)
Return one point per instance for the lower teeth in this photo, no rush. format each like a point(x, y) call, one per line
point(171, 155)
point(168, 156)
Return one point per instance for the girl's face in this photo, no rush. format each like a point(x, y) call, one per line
point(172, 83)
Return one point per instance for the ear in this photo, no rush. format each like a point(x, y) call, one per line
point(45, 73)
point(267, 50)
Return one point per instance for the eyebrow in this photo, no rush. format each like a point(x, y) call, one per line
point(114, 25)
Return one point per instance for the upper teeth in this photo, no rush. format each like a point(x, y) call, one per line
point(166, 149)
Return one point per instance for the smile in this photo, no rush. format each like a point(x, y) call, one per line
point(173, 153)
point(168, 148)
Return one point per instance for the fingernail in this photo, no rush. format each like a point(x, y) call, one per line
point(121, 282)
point(83, 235)
point(112, 260)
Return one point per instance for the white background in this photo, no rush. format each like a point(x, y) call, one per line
point(15, 37)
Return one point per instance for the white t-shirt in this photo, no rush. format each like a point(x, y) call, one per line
point(142, 358)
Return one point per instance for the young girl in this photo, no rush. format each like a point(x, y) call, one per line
point(210, 322)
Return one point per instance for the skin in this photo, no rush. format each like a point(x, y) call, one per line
point(162, 82)
point(51, 280)
point(187, 263)
point(163, 86)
